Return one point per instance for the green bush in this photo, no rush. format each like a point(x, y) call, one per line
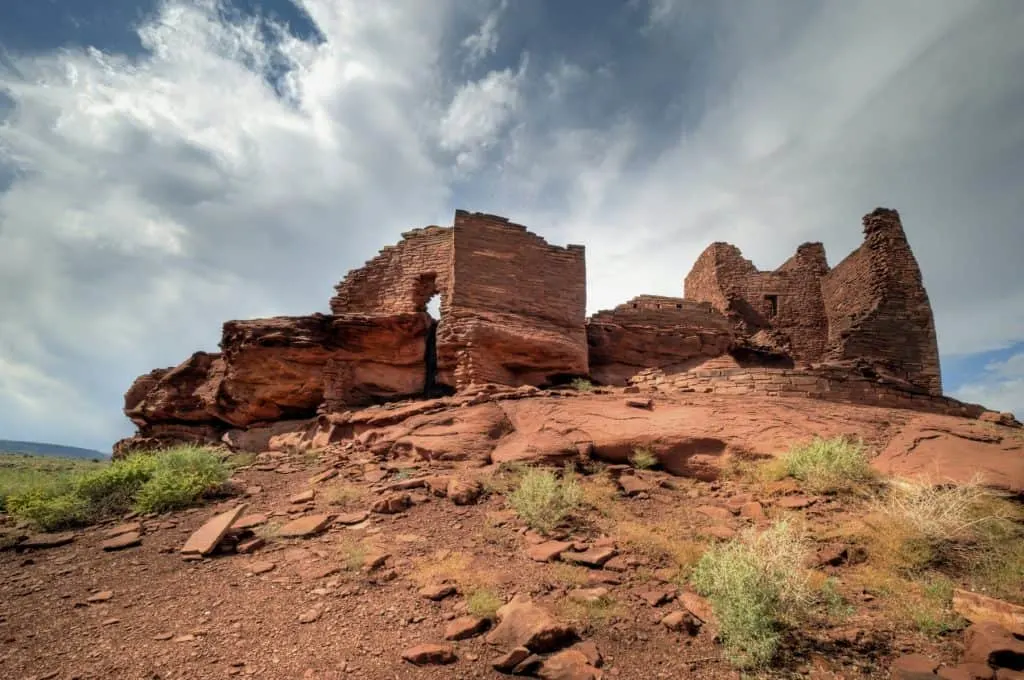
point(829, 465)
point(543, 499)
point(755, 587)
point(643, 459)
point(582, 385)
point(50, 512)
point(146, 482)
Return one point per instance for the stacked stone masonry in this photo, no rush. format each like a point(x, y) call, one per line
point(871, 310)
point(512, 312)
point(654, 331)
point(829, 385)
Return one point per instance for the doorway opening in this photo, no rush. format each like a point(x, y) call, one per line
point(772, 304)
point(428, 298)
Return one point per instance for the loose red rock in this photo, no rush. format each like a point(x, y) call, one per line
point(122, 541)
point(305, 526)
point(466, 627)
point(430, 654)
point(206, 539)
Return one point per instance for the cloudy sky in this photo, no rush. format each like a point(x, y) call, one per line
point(165, 166)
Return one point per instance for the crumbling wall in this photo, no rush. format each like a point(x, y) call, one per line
point(402, 278)
point(830, 384)
point(786, 302)
point(878, 309)
point(654, 331)
point(517, 306)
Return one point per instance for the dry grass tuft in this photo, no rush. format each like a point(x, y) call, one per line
point(453, 567)
point(837, 465)
point(544, 500)
point(343, 495)
point(484, 603)
point(643, 459)
point(915, 525)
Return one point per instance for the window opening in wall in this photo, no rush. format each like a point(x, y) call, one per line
point(679, 306)
point(635, 306)
point(772, 302)
point(434, 307)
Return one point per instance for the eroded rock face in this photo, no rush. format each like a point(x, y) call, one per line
point(277, 369)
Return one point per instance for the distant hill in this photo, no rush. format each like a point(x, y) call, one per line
point(41, 449)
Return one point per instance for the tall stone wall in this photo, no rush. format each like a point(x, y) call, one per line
point(787, 300)
point(402, 278)
point(871, 310)
point(654, 331)
point(878, 309)
point(517, 306)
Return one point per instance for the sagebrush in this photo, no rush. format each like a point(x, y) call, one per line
point(144, 482)
point(755, 587)
point(543, 499)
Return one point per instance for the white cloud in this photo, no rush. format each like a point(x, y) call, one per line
point(1000, 387)
point(478, 114)
point(227, 176)
point(484, 41)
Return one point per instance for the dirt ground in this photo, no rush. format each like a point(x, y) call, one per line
point(317, 613)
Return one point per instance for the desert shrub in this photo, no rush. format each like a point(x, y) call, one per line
point(146, 482)
point(49, 512)
point(484, 603)
point(829, 465)
point(543, 499)
point(643, 459)
point(180, 478)
point(755, 589)
point(915, 525)
point(582, 385)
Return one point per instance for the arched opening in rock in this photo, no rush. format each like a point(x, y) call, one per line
point(428, 301)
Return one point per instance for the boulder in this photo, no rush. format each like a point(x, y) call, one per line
point(521, 623)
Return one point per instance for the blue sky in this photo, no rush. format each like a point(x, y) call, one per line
point(165, 166)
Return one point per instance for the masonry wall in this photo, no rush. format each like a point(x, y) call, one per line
point(402, 278)
point(517, 305)
point(787, 300)
point(878, 309)
point(829, 385)
point(654, 331)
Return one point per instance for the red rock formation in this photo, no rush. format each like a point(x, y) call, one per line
point(280, 368)
point(512, 314)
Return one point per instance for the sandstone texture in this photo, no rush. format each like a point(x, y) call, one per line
point(512, 315)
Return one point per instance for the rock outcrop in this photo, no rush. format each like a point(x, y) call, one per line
point(512, 311)
point(280, 368)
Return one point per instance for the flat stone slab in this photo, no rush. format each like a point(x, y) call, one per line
point(122, 541)
point(547, 551)
point(126, 528)
point(206, 539)
point(47, 540)
point(594, 558)
point(249, 521)
point(349, 518)
point(305, 526)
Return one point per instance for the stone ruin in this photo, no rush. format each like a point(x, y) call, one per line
point(512, 313)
